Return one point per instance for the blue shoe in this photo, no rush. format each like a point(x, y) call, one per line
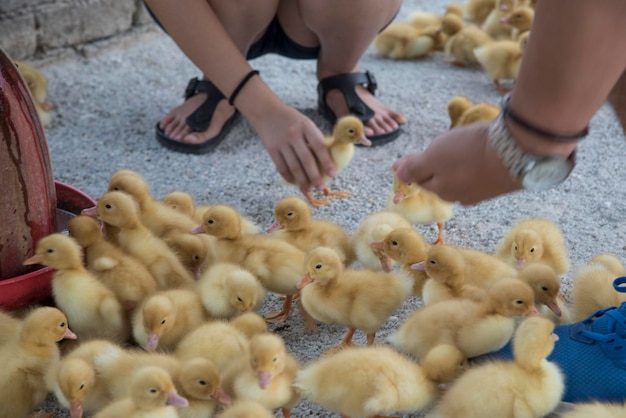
point(591, 354)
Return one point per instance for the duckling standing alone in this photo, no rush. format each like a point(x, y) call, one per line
point(27, 358)
point(529, 386)
point(293, 222)
point(348, 131)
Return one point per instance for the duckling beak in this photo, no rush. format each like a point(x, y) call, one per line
point(304, 281)
point(554, 307)
point(275, 226)
point(92, 211)
point(505, 19)
point(385, 263)
point(264, 379)
point(175, 399)
point(153, 342)
point(533, 311)
point(504, 7)
point(197, 230)
point(521, 263)
point(418, 266)
point(377, 245)
point(36, 259)
point(364, 141)
point(222, 397)
point(69, 335)
point(76, 409)
point(398, 197)
point(555, 337)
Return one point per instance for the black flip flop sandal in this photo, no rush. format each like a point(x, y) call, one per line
point(346, 83)
point(199, 120)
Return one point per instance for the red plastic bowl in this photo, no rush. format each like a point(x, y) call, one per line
point(35, 286)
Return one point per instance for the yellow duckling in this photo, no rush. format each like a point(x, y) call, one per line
point(593, 285)
point(494, 26)
point(501, 60)
point(348, 131)
point(462, 41)
point(250, 323)
point(596, 410)
point(92, 308)
point(195, 252)
point(120, 210)
point(370, 381)
point(407, 247)
point(218, 341)
point(227, 290)
point(198, 381)
point(521, 20)
point(152, 393)
point(529, 386)
point(474, 328)
point(126, 276)
point(276, 263)
point(246, 408)
point(419, 206)
point(532, 240)
point(266, 375)
point(9, 327)
point(184, 203)
point(293, 222)
point(38, 85)
point(27, 358)
point(165, 317)
point(74, 380)
point(157, 217)
point(357, 299)
point(403, 41)
point(546, 286)
point(476, 11)
point(445, 266)
point(463, 112)
point(374, 228)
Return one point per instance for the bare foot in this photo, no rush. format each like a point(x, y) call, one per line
point(385, 119)
point(174, 125)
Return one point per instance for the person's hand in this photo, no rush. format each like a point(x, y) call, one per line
point(460, 166)
point(296, 146)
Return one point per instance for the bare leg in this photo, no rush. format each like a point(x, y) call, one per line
point(245, 21)
point(617, 98)
point(344, 30)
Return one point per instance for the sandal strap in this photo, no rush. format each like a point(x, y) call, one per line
point(346, 83)
point(200, 119)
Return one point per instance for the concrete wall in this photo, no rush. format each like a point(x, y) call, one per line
point(30, 28)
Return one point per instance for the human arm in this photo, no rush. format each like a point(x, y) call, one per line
point(575, 54)
point(293, 141)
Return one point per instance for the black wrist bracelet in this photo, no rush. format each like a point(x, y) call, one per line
point(240, 86)
point(557, 137)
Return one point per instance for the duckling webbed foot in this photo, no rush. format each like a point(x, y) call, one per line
point(500, 87)
point(340, 195)
point(316, 202)
point(346, 342)
point(278, 317)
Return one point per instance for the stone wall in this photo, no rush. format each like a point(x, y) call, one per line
point(31, 28)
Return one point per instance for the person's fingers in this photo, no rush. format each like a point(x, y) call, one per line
point(292, 159)
point(315, 141)
point(281, 167)
point(308, 163)
point(413, 168)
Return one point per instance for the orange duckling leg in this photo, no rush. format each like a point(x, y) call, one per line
point(46, 106)
point(346, 342)
point(500, 88)
point(370, 338)
point(286, 412)
point(316, 202)
point(280, 316)
point(440, 236)
point(309, 322)
point(340, 195)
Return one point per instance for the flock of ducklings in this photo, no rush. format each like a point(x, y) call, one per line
point(489, 34)
point(162, 302)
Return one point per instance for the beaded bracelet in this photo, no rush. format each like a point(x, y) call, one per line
point(557, 137)
point(240, 86)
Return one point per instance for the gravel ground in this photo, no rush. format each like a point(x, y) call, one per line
point(109, 99)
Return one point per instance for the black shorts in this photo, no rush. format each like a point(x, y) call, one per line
point(273, 41)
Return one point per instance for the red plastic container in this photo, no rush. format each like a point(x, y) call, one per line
point(35, 286)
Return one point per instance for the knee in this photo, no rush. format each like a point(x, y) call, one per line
point(244, 10)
